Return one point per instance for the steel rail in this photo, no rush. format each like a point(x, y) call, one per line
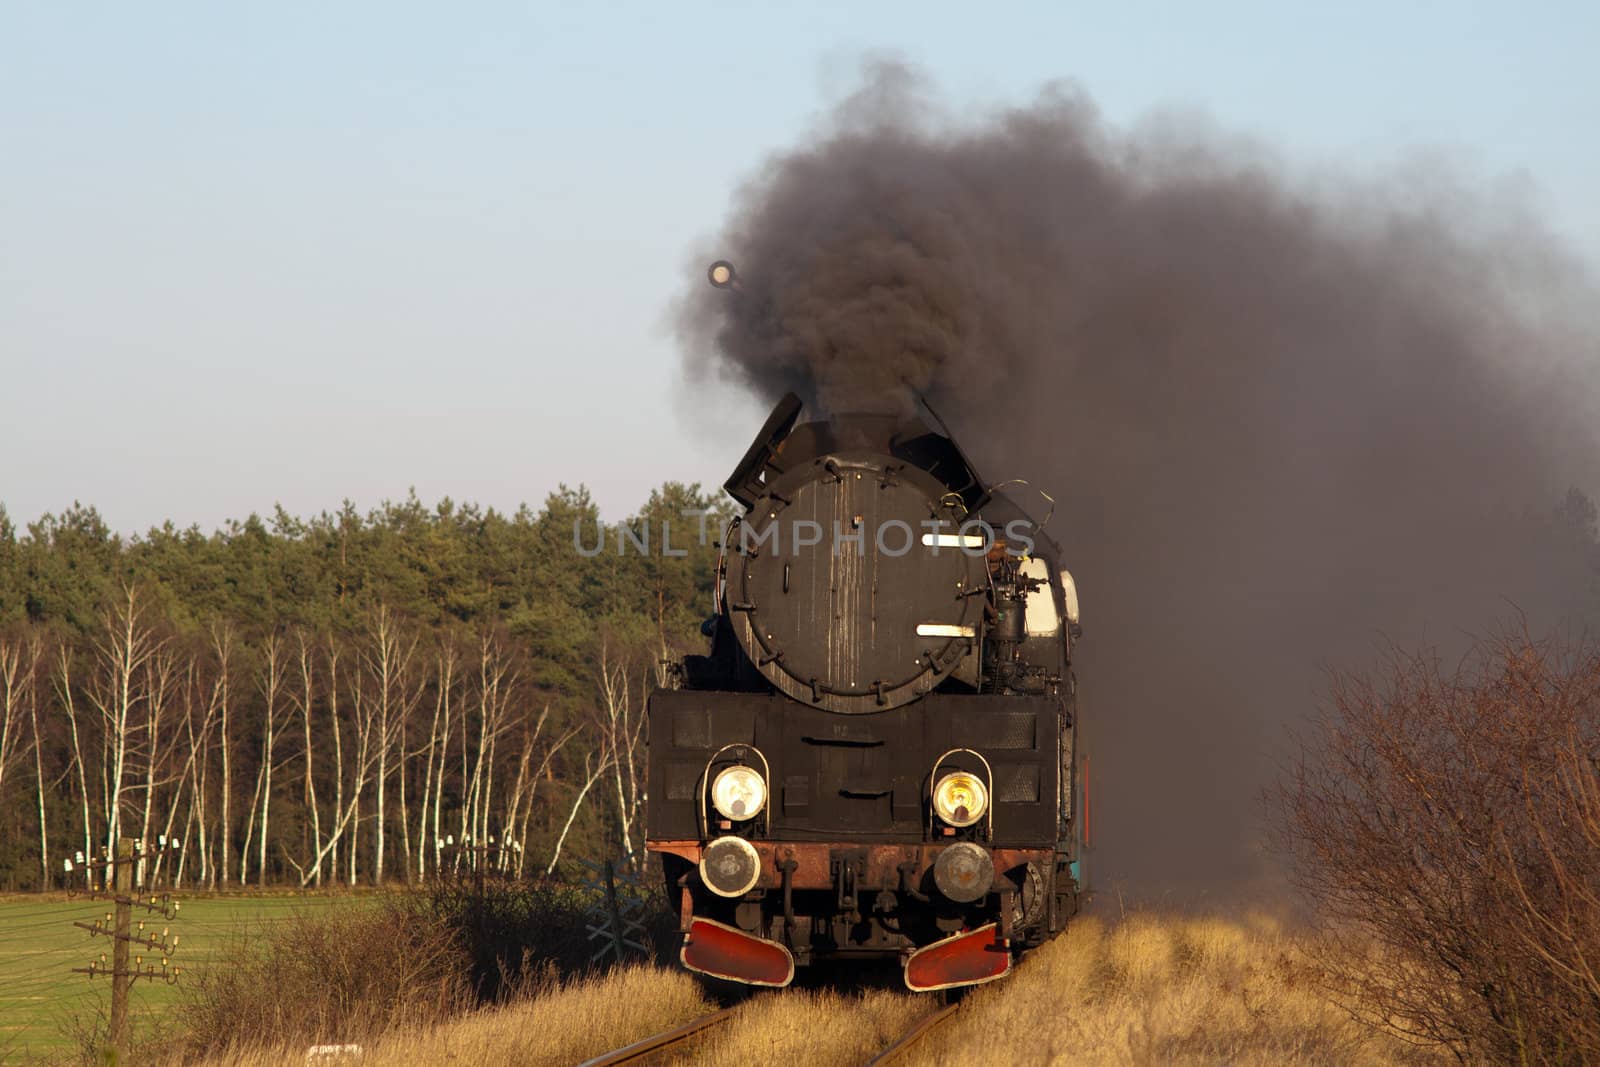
point(918, 1031)
point(629, 1053)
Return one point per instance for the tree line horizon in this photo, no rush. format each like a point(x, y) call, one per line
point(352, 698)
point(332, 700)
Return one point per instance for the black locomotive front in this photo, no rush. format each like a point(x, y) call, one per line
point(878, 754)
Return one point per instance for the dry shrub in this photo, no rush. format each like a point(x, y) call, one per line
point(512, 932)
point(1447, 829)
point(85, 1028)
point(335, 975)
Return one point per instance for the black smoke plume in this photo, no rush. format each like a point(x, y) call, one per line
point(1285, 421)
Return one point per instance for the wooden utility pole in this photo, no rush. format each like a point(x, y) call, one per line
point(121, 977)
point(117, 877)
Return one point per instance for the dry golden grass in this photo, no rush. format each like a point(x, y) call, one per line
point(555, 1026)
point(1149, 989)
point(809, 1027)
point(1167, 990)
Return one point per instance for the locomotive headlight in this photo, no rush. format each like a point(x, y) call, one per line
point(730, 866)
point(738, 793)
point(960, 799)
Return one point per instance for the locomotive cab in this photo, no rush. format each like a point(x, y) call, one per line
point(877, 755)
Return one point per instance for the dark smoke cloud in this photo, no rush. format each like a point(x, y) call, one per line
point(1282, 424)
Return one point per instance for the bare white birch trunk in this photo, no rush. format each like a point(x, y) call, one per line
point(16, 674)
point(338, 761)
point(200, 750)
point(307, 704)
point(271, 685)
point(621, 729)
point(389, 661)
point(385, 671)
point(590, 777)
point(122, 651)
point(222, 646)
point(19, 706)
point(64, 687)
point(159, 685)
point(250, 829)
point(444, 669)
point(37, 653)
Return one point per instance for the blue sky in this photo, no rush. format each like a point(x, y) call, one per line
point(299, 253)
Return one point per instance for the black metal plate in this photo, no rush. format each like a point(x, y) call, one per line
point(835, 581)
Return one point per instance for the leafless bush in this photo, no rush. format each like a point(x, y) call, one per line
point(516, 934)
point(1447, 828)
point(339, 975)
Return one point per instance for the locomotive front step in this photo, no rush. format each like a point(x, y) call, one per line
point(968, 958)
point(724, 951)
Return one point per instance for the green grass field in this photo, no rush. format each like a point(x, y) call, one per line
point(39, 946)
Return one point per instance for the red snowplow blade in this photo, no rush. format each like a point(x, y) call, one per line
point(964, 959)
point(723, 951)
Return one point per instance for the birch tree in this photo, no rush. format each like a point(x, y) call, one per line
point(222, 648)
point(116, 691)
point(270, 683)
point(36, 655)
point(204, 695)
point(595, 766)
point(65, 689)
point(620, 720)
point(20, 657)
point(17, 667)
point(520, 797)
point(161, 693)
point(360, 759)
point(445, 682)
point(496, 695)
point(388, 698)
point(305, 700)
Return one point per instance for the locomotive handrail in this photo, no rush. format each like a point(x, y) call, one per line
point(766, 782)
point(720, 587)
point(933, 783)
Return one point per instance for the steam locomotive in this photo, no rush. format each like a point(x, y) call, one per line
point(878, 755)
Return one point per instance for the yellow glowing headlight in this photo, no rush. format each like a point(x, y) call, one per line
point(960, 799)
point(738, 793)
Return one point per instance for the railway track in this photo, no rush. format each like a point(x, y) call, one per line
point(668, 1038)
point(918, 1031)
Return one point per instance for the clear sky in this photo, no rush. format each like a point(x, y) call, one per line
point(295, 253)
